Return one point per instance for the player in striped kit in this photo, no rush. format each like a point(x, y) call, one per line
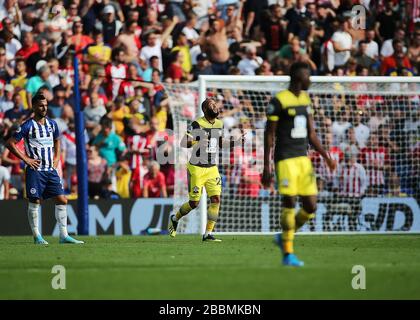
point(138, 148)
point(351, 183)
point(41, 156)
point(375, 159)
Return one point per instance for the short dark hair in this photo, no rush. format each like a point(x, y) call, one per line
point(296, 67)
point(153, 58)
point(38, 97)
point(106, 122)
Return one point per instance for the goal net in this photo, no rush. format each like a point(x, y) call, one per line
point(370, 125)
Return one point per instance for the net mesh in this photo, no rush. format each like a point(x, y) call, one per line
point(371, 129)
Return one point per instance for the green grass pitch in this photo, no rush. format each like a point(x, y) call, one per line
point(241, 267)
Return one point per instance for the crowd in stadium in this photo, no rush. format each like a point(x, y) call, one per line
point(129, 49)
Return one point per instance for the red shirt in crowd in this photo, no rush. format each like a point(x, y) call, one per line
point(25, 52)
point(175, 72)
point(391, 63)
point(115, 75)
point(154, 184)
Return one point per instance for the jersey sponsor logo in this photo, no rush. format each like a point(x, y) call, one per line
point(195, 189)
point(50, 129)
point(285, 182)
point(270, 109)
point(33, 191)
point(19, 129)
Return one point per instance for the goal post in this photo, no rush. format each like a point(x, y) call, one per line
point(370, 125)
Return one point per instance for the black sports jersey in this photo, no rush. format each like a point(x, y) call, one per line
point(214, 133)
point(291, 113)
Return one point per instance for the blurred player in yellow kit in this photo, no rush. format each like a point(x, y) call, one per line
point(290, 122)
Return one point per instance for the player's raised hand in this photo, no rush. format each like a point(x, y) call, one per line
point(266, 178)
point(33, 163)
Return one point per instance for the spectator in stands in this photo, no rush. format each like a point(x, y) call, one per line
point(36, 82)
point(108, 142)
point(97, 172)
point(123, 175)
point(182, 46)
point(388, 49)
point(386, 22)
point(154, 182)
point(6, 71)
point(203, 66)
point(250, 62)
point(361, 130)
point(129, 41)
point(108, 24)
point(274, 33)
point(97, 54)
point(362, 57)
point(413, 53)
point(340, 126)
point(29, 46)
point(79, 40)
point(42, 54)
point(175, 72)
point(350, 183)
point(350, 144)
point(4, 182)
point(17, 113)
point(11, 44)
point(372, 47)
point(6, 97)
point(214, 43)
point(154, 44)
point(398, 63)
point(94, 112)
point(19, 80)
point(154, 63)
point(342, 42)
point(376, 161)
point(107, 191)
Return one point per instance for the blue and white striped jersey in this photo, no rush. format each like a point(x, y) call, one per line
point(39, 141)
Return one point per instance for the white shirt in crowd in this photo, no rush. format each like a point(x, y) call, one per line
point(372, 49)
point(4, 176)
point(339, 129)
point(248, 66)
point(11, 48)
point(345, 41)
point(147, 52)
point(362, 133)
point(387, 48)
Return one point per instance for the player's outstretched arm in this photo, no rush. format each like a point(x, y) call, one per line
point(269, 134)
point(314, 141)
point(32, 163)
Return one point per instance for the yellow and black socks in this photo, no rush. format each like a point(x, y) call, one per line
point(212, 216)
point(302, 217)
point(288, 225)
point(183, 211)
